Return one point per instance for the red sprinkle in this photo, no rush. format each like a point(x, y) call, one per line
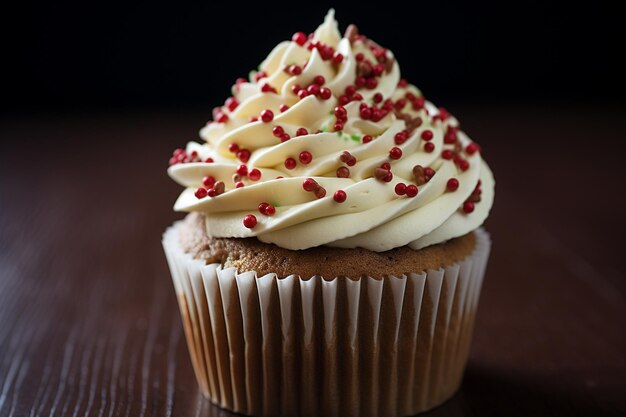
point(239, 184)
point(243, 155)
point(400, 104)
point(380, 173)
point(310, 184)
point(395, 153)
point(290, 163)
point(305, 157)
point(267, 116)
point(401, 137)
point(278, 131)
point(249, 221)
point(337, 58)
point(339, 196)
point(343, 172)
point(427, 135)
point(254, 174)
point(208, 181)
point(468, 207)
point(443, 113)
point(347, 158)
point(447, 154)
point(452, 184)
point(266, 88)
point(325, 93)
point(411, 190)
point(320, 192)
point(367, 139)
point(464, 165)
point(285, 137)
point(418, 103)
point(378, 98)
point(295, 70)
point(341, 113)
point(231, 103)
point(319, 80)
point(299, 38)
point(283, 108)
point(429, 147)
point(400, 188)
point(471, 148)
point(301, 131)
point(429, 172)
point(221, 117)
point(200, 193)
point(242, 170)
point(267, 209)
point(233, 147)
point(313, 89)
point(371, 83)
point(302, 94)
point(450, 136)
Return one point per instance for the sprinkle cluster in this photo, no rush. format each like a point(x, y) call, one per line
point(407, 105)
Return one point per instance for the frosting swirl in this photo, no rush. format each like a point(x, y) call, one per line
point(326, 145)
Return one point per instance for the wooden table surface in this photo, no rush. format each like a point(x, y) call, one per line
point(88, 317)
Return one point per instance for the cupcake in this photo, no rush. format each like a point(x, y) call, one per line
point(333, 255)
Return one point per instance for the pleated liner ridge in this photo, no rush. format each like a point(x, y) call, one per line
point(269, 346)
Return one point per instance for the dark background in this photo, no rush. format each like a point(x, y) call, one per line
point(107, 55)
point(96, 95)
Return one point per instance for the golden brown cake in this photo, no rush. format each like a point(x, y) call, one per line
point(249, 254)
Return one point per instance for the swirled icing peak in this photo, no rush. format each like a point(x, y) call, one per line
point(325, 144)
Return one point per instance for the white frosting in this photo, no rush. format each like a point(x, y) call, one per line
point(373, 215)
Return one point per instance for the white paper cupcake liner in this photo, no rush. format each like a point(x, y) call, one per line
point(270, 346)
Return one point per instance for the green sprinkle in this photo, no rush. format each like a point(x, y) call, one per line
point(356, 138)
point(339, 133)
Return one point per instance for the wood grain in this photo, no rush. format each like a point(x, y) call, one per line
point(88, 317)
